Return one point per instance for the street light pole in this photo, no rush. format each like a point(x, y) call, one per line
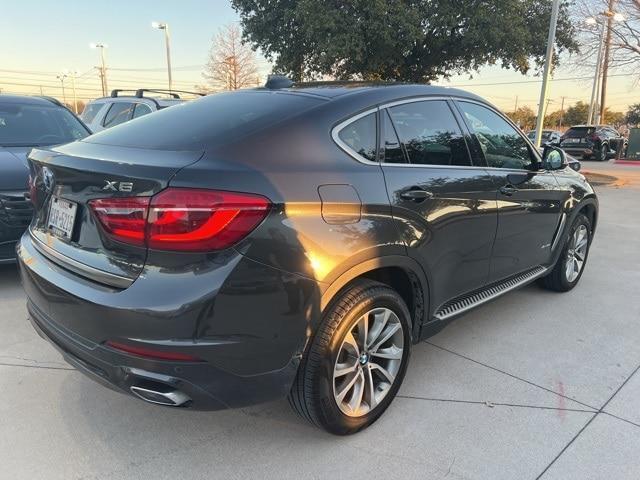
point(596, 77)
point(547, 70)
point(605, 61)
point(61, 77)
point(103, 68)
point(167, 40)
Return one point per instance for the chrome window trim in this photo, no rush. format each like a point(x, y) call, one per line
point(80, 268)
point(335, 134)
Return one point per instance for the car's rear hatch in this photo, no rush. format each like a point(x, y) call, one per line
point(578, 136)
point(72, 175)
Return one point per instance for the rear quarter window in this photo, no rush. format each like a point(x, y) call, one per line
point(197, 124)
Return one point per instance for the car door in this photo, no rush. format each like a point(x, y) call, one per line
point(444, 205)
point(529, 199)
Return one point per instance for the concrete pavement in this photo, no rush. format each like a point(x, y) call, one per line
point(533, 385)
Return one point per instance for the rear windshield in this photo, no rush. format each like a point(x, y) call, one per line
point(579, 132)
point(29, 125)
point(197, 124)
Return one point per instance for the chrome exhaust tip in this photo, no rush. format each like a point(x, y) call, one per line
point(172, 398)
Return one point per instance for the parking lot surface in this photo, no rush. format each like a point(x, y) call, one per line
point(533, 385)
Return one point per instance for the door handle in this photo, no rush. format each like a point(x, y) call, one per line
point(508, 190)
point(416, 195)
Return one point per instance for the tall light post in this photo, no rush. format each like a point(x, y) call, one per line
point(551, 39)
point(103, 67)
point(605, 19)
point(72, 74)
point(167, 41)
point(61, 77)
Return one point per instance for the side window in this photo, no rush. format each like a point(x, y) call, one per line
point(360, 136)
point(430, 134)
point(141, 109)
point(118, 113)
point(392, 150)
point(502, 145)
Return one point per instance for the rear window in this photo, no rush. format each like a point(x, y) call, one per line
point(579, 132)
point(199, 123)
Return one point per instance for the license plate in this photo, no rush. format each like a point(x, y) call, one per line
point(62, 216)
point(573, 140)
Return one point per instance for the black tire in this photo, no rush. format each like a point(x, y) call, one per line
point(602, 153)
point(557, 280)
point(312, 395)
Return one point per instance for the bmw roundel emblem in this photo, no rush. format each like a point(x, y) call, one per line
point(48, 179)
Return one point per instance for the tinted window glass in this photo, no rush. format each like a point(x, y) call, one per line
point(392, 150)
point(141, 109)
point(90, 112)
point(429, 133)
point(579, 132)
point(360, 135)
point(222, 117)
point(502, 145)
point(118, 113)
point(31, 125)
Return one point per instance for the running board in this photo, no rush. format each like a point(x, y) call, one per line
point(472, 300)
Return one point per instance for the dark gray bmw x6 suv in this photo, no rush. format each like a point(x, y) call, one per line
point(292, 240)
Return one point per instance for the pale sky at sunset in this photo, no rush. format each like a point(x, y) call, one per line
point(40, 38)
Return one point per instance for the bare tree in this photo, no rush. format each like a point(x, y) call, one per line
point(625, 35)
point(231, 64)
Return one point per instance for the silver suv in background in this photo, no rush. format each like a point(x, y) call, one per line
point(110, 111)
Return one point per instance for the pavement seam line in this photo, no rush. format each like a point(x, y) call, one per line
point(592, 408)
point(2, 364)
point(600, 411)
point(493, 404)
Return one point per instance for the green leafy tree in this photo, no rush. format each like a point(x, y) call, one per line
point(633, 114)
point(407, 40)
point(552, 120)
point(525, 117)
point(576, 114)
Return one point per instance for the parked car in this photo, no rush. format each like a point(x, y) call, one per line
point(26, 122)
point(549, 137)
point(599, 142)
point(110, 111)
point(378, 213)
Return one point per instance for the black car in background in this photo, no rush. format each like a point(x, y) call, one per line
point(26, 122)
point(293, 240)
point(599, 142)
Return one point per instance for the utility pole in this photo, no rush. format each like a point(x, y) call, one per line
point(515, 109)
point(547, 70)
point(561, 113)
point(73, 86)
point(605, 64)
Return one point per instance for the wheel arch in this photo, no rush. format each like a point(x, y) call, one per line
point(401, 273)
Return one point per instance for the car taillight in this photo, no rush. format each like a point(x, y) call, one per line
point(124, 219)
point(182, 219)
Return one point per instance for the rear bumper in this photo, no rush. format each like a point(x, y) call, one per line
point(243, 361)
point(579, 151)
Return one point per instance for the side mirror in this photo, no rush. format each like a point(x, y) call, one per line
point(553, 158)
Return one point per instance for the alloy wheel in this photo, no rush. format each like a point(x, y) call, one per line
point(368, 362)
point(577, 253)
